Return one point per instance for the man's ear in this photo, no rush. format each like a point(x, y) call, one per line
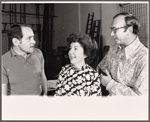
point(130, 29)
point(15, 41)
point(85, 56)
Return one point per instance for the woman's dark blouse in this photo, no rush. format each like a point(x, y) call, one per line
point(75, 82)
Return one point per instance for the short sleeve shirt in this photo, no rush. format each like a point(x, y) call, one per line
point(23, 75)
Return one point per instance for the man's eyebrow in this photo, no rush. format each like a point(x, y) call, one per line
point(76, 46)
point(30, 36)
point(112, 27)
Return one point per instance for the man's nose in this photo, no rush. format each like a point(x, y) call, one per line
point(112, 33)
point(33, 41)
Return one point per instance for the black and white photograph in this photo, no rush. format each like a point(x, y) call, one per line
point(75, 60)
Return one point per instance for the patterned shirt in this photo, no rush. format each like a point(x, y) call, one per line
point(128, 68)
point(75, 82)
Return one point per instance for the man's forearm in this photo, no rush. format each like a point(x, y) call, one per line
point(44, 85)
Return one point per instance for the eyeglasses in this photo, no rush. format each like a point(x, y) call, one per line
point(115, 29)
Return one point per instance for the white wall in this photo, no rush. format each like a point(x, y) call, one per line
point(107, 13)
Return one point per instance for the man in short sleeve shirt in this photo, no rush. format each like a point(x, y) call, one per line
point(23, 66)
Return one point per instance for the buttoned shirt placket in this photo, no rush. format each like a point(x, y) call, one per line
point(121, 69)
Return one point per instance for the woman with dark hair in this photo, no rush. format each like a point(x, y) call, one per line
point(78, 78)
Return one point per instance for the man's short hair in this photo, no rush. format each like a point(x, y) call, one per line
point(15, 31)
point(130, 20)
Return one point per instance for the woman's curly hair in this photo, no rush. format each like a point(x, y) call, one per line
point(89, 46)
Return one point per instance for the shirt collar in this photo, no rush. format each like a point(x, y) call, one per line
point(132, 47)
point(82, 68)
point(13, 53)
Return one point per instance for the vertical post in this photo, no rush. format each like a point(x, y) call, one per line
point(24, 11)
point(45, 28)
point(15, 14)
point(10, 8)
point(20, 14)
point(38, 25)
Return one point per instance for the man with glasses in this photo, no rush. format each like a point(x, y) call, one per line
point(124, 69)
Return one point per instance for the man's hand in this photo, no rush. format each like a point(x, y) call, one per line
point(105, 79)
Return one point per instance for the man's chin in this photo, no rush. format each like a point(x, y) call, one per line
point(31, 50)
point(117, 41)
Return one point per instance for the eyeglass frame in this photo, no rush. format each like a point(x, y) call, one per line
point(115, 29)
